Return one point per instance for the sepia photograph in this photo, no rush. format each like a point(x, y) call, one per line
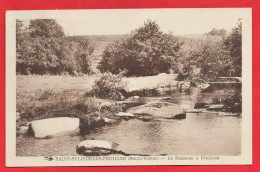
point(129, 87)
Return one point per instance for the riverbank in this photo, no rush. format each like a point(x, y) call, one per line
point(41, 97)
point(65, 96)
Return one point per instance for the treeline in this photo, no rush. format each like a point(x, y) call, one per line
point(216, 54)
point(42, 48)
point(148, 51)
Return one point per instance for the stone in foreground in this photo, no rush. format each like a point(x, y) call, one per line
point(52, 126)
point(96, 147)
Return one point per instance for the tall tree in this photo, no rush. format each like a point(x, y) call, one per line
point(234, 44)
point(147, 51)
point(42, 48)
point(47, 28)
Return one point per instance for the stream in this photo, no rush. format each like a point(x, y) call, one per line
point(210, 133)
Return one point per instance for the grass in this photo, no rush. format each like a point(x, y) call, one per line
point(60, 102)
point(28, 84)
point(39, 97)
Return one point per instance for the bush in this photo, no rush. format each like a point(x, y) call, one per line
point(43, 94)
point(233, 103)
point(231, 99)
point(110, 86)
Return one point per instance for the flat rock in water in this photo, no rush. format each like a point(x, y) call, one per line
point(201, 105)
point(89, 144)
point(129, 103)
point(52, 126)
point(124, 114)
point(159, 110)
point(95, 147)
point(216, 107)
point(107, 120)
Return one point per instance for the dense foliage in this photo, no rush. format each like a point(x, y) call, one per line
point(42, 48)
point(215, 54)
point(110, 86)
point(147, 51)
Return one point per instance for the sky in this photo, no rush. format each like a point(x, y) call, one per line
point(114, 21)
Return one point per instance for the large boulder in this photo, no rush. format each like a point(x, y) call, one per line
point(159, 110)
point(52, 126)
point(96, 147)
point(88, 124)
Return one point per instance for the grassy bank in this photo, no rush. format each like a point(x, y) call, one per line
point(40, 97)
point(51, 103)
point(28, 84)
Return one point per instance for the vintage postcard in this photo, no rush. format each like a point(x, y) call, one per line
point(121, 87)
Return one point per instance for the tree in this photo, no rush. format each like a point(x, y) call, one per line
point(47, 28)
point(83, 51)
point(234, 44)
point(147, 51)
point(216, 54)
point(42, 48)
point(220, 33)
point(204, 58)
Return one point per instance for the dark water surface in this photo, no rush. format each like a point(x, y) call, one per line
point(208, 133)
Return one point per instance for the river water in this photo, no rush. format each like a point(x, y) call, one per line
point(210, 133)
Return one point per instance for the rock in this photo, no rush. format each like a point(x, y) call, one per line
point(161, 88)
point(130, 103)
point(88, 124)
point(23, 129)
point(124, 114)
point(145, 118)
point(96, 147)
point(183, 85)
point(201, 105)
point(109, 121)
point(229, 114)
point(197, 111)
point(144, 92)
point(179, 116)
point(216, 107)
point(18, 115)
point(52, 126)
point(136, 97)
point(159, 110)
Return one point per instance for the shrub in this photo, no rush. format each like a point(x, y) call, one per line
point(110, 86)
point(43, 94)
point(233, 103)
point(231, 99)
